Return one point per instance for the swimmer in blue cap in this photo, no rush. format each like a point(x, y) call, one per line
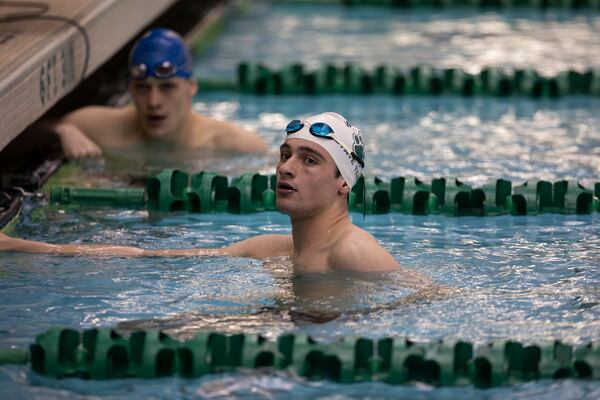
point(160, 53)
point(162, 88)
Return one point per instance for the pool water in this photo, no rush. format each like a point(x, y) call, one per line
point(550, 40)
point(530, 279)
point(476, 140)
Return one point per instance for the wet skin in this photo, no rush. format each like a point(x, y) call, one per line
point(163, 105)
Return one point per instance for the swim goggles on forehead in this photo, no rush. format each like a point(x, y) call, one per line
point(162, 70)
point(322, 130)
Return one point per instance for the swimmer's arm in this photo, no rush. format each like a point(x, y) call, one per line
point(264, 246)
point(8, 243)
point(85, 131)
point(75, 144)
point(77, 132)
point(259, 247)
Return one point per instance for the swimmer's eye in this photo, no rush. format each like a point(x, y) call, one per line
point(283, 156)
point(310, 161)
point(167, 86)
point(140, 86)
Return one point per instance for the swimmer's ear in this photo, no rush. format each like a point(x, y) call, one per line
point(345, 189)
point(193, 87)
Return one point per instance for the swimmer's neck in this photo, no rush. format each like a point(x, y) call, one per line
point(318, 232)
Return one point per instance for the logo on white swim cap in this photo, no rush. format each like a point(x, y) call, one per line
point(350, 135)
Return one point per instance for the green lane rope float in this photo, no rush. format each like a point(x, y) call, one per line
point(295, 79)
point(103, 353)
point(350, 78)
point(221, 85)
point(576, 4)
point(204, 192)
point(120, 197)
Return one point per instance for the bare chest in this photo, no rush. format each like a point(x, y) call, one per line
point(312, 262)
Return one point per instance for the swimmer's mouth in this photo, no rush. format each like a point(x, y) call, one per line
point(285, 187)
point(155, 119)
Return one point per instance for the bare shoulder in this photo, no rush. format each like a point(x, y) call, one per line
point(357, 250)
point(92, 113)
point(103, 124)
point(262, 246)
point(228, 136)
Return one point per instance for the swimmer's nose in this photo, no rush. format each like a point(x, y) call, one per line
point(286, 168)
point(154, 98)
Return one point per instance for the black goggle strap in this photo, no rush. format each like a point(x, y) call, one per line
point(364, 197)
point(357, 159)
point(348, 150)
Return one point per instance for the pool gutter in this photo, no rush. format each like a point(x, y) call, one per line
point(51, 70)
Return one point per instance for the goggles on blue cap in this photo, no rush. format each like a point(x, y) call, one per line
point(160, 53)
point(162, 70)
point(322, 130)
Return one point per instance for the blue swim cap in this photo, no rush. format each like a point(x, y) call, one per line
point(160, 53)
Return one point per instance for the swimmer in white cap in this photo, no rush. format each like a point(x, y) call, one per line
point(320, 160)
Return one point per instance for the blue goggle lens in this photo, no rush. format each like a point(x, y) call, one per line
point(139, 71)
point(320, 129)
point(294, 126)
point(317, 129)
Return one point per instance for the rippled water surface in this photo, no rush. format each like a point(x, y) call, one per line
point(474, 139)
point(526, 278)
point(530, 279)
point(549, 41)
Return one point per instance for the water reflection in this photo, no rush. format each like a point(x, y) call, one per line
point(151, 160)
point(305, 299)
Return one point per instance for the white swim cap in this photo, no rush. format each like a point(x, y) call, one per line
point(343, 132)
